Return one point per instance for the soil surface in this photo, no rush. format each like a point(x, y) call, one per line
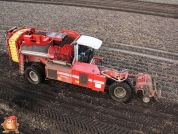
point(55, 107)
point(174, 2)
point(59, 108)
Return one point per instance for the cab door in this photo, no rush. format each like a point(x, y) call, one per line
point(88, 75)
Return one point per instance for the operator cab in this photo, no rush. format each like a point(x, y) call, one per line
point(85, 53)
point(85, 47)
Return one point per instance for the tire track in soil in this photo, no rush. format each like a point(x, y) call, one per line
point(51, 126)
point(26, 117)
point(162, 105)
point(88, 98)
point(29, 103)
point(24, 127)
point(10, 85)
point(72, 99)
point(122, 114)
point(23, 102)
point(69, 101)
point(112, 117)
point(113, 113)
point(67, 108)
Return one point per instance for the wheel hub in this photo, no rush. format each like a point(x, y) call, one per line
point(33, 76)
point(119, 92)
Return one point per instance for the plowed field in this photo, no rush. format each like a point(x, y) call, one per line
point(59, 108)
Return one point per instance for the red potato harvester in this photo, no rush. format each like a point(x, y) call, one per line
point(69, 57)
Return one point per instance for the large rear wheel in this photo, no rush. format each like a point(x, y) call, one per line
point(120, 92)
point(33, 75)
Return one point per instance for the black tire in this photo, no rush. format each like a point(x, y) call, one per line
point(33, 75)
point(128, 81)
point(41, 67)
point(120, 92)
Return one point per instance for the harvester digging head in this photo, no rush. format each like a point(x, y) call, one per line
point(147, 85)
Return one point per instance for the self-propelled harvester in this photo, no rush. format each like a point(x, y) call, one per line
point(69, 57)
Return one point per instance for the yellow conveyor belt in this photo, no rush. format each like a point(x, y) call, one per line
point(12, 44)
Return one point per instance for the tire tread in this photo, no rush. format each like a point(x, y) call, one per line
point(126, 86)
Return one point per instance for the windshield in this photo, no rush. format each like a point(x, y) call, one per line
point(85, 53)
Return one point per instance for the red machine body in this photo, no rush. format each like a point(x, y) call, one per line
point(69, 57)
